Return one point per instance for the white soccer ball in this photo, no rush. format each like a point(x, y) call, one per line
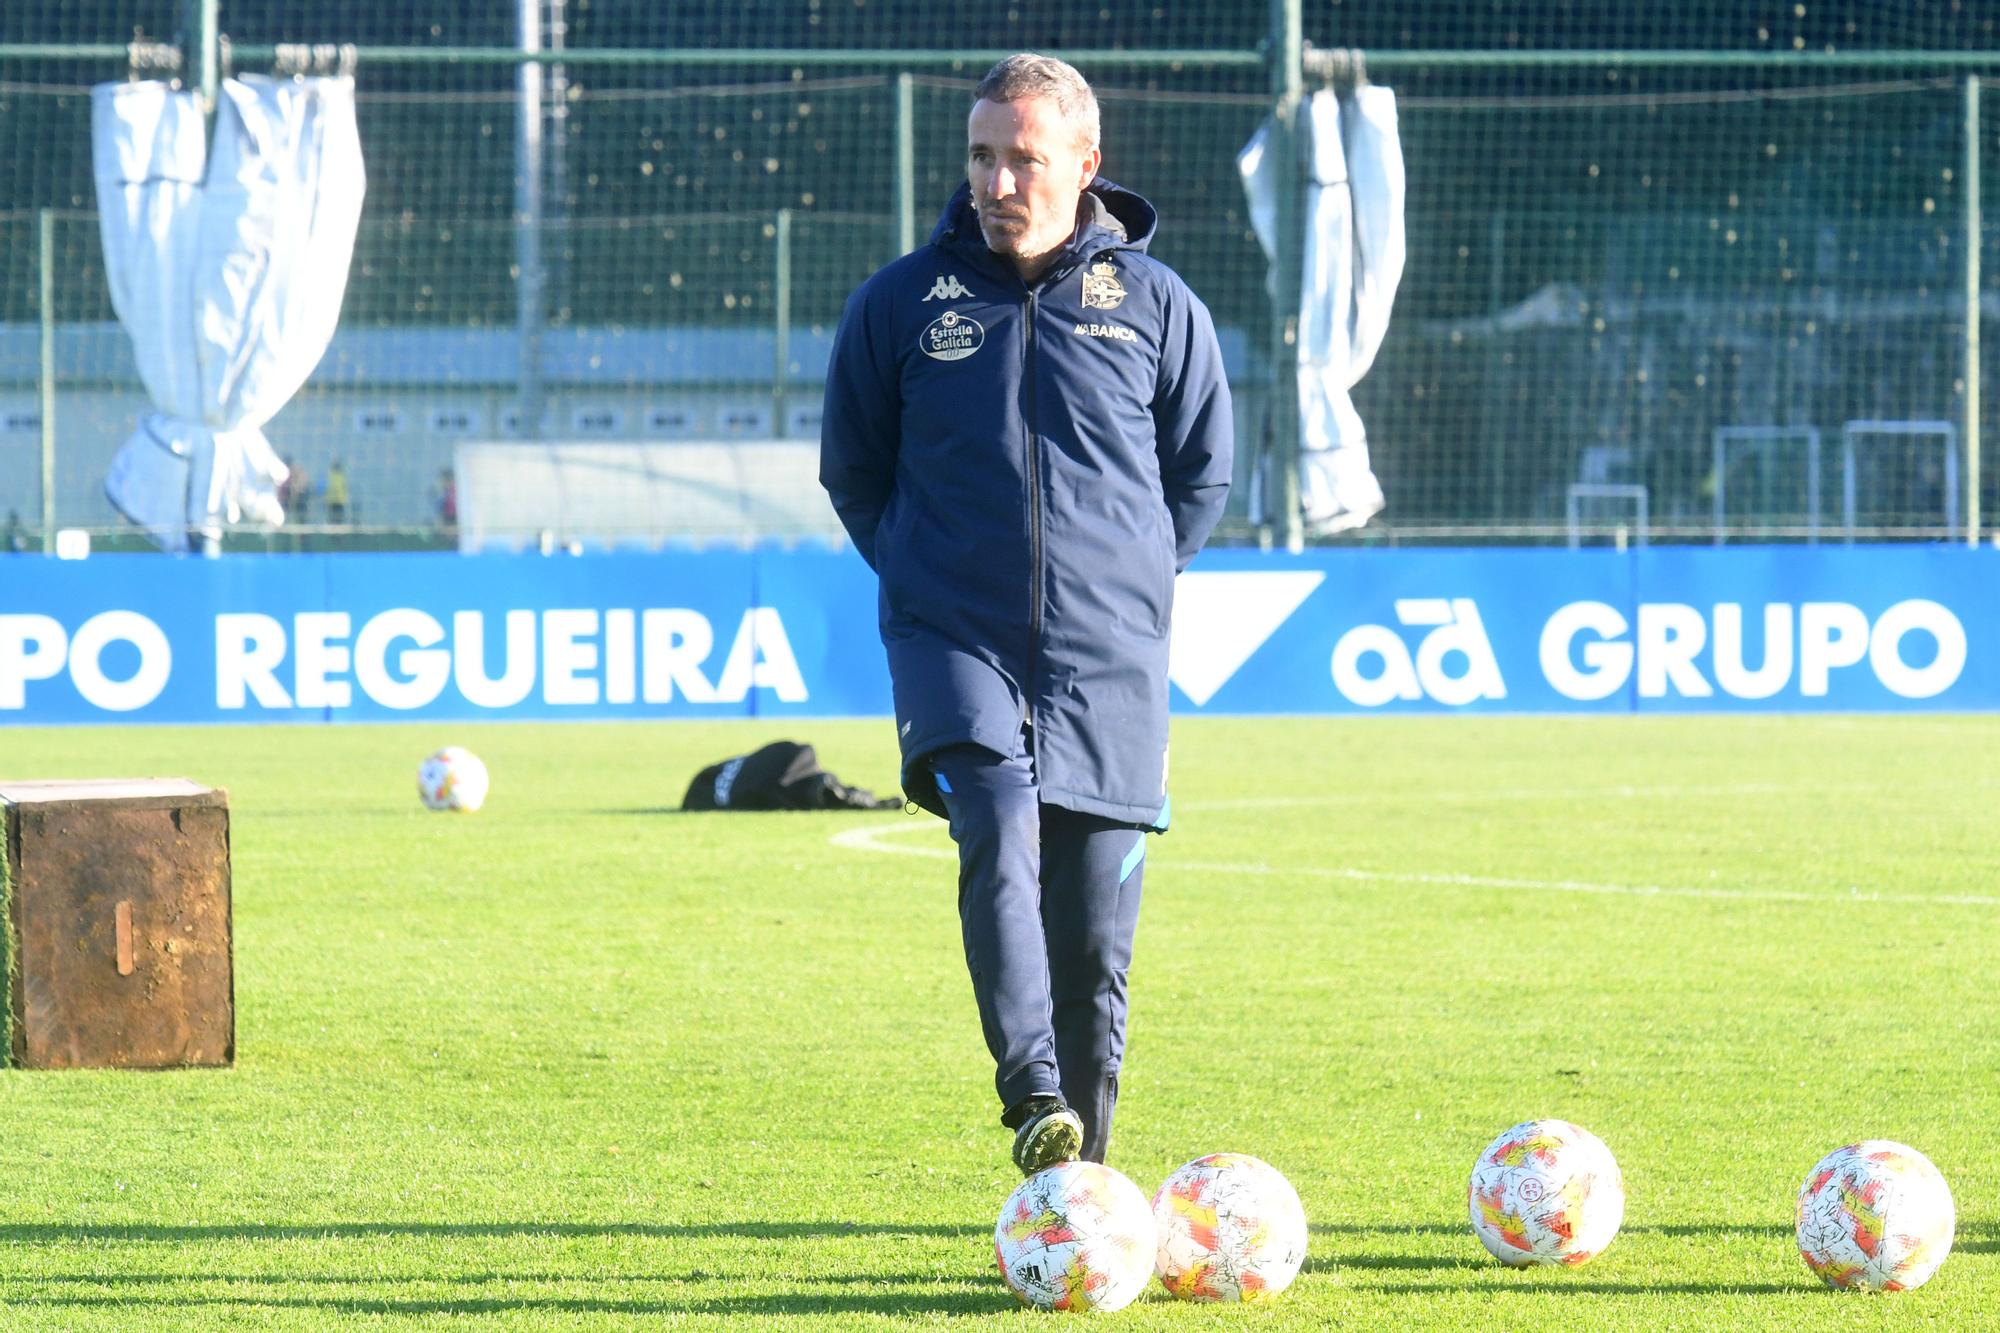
point(452, 779)
point(1875, 1216)
point(1077, 1236)
point(1231, 1229)
point(1546, 1192)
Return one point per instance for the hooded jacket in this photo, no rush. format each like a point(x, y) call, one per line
point(1026, 467)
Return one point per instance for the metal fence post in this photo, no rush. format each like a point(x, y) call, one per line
point(204, 36)
point(528, 296)
point(1974, 227)
point(558, 289)
point(1492, 404)
point(906, 164)
point(47, 250)
point(781, 358)
point(1287, 59)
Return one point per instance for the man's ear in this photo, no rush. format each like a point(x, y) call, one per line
point(1091, 161)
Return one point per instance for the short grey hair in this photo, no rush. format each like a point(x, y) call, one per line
point(1023, 76)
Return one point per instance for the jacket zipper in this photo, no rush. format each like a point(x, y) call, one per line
point(1034, 519)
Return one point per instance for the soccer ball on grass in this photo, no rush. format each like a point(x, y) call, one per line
point(1231, 1229)
point(1546, 1192)
point(1077, 1236)
point(1875, 1216)
point(452, 779)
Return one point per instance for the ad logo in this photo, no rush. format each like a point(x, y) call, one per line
point(1453, 665)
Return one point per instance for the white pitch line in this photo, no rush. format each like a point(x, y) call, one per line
point(1577, 886)
point(1508, 794)
point(870, 838)
point(882, 838)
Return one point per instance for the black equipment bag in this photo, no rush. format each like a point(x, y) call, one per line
point(784, 775)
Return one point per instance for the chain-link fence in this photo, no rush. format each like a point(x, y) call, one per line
point(1681, 265)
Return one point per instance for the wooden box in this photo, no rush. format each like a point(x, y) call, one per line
point(116, 951)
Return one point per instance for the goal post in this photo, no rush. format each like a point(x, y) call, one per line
point(1764, 445)
point(1585, 493)
point(1912, 479)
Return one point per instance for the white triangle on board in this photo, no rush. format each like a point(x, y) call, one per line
point(1221, 618)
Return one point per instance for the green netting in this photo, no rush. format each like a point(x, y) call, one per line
point(1620, 275)
point(1670, 271)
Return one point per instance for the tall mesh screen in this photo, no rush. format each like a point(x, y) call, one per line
point(1733, 285)
point(1638, 260)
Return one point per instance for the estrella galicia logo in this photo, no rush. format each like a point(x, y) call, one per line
point(951, 337)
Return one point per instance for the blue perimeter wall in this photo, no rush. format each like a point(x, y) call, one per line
point(792, 633)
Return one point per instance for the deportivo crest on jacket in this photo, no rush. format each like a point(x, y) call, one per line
point(1101, 289)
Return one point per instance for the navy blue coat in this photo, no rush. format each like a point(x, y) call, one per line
point(1026, 468)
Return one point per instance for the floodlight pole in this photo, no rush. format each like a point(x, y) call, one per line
point(1285, 51)
point(1974, 226)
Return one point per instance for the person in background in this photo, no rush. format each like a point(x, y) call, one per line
point(1027, 433)
point(288, 486)
point(445, 499)
point(12, 539)
point(336, 496)
point(296, 492)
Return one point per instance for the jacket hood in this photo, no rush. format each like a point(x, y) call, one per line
point(1107, 215)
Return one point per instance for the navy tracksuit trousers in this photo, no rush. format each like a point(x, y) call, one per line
point(1048, 900)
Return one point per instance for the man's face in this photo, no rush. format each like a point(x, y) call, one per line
point(1027, 171)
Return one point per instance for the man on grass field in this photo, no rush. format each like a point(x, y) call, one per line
point(1027, 434)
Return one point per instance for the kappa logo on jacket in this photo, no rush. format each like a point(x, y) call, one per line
point(949, 288)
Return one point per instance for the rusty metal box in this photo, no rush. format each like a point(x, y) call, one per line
point(116, 948)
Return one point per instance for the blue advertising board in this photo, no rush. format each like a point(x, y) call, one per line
point(770, 633)
point(1665, 629)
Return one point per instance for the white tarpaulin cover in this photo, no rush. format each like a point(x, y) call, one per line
point(1353, 262)
point(228, 275)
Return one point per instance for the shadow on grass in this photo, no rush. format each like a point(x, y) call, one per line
point(1423, 1262)
point(33, 1233)
point(680, 1278)
point(675, 809)
point(908, 1304)
point(1465, 1229)
point(673, 1290)
point(1977, 1236)
point(1697, 1229)
point(1601, 1288)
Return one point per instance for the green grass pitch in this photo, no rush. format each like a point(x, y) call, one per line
point(579, 1061)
